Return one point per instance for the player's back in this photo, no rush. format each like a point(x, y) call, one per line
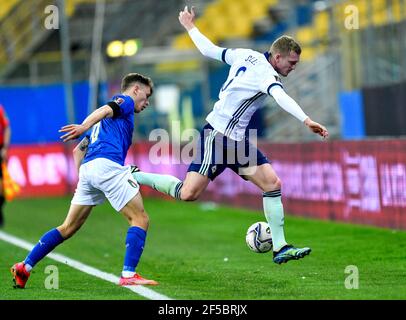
point(111, 137)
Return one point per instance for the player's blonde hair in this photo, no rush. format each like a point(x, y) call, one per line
point(284, 45)
point(133, 78)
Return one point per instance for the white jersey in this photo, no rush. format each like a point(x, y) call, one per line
point(250, 79)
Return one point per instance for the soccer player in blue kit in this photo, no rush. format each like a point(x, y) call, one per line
point(102, 175)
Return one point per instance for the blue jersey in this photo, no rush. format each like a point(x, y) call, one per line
point(111, 137)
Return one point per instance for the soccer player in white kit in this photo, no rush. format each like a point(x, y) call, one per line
point(252, 77)
point(103, 175)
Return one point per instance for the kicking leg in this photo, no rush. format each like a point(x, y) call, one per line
point(164, 183)
point(188, 190)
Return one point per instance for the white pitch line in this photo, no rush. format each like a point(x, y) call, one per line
point(142, 291)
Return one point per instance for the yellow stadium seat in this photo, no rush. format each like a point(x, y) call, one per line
point(378, 5)
point(364, 18)
point(178, 66)
point(183, 42)
point(308, 54)
point(203, 25)
point(6, 6)
point(305, 35)
point(213, 10)
point(256, 10)
point(397, 10)
point(235, 10)
point(379, 18)
point(321, 23)
point(220, 28)
point(379, 14)
point(271, 2)
point(227, 19)
point(239, 28)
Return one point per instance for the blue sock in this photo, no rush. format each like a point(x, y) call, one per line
point(45, 245)
point(135, 246)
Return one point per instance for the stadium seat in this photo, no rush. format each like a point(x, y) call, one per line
point(305, 35)
point(228, 19)
point(321, 23)
point(242, 29)
point(6, 6)
point(308, 53)
point(379, 14)
point(220, 29)
point(203, 25)
point(398, 12)
point(364, 13)
point(183, 42)
point(257, 9)
point(177, 66)
point(379, 18)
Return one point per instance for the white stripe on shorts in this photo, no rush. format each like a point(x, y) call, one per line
point(208, 150)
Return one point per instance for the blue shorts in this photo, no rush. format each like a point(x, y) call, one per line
point(216, 152)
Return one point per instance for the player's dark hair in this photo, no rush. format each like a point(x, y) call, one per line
point(132, 78)
point(284, 45)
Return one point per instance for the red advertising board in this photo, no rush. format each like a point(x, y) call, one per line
point(355, 181)
point(42, 170)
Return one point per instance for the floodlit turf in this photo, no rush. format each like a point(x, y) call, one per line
point(201, 254)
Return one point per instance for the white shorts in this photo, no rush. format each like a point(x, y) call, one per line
point(102, 178)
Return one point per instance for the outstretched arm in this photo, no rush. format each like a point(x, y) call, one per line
point(74, 131)
point(205, 46)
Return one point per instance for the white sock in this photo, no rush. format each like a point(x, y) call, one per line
point(27, 267)
point(273, 209)
point(164, 183)
point(127, 274)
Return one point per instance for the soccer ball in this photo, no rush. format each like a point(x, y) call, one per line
point(259, 238)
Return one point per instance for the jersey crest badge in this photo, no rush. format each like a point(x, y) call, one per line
point(119, 101)
point(132, 183)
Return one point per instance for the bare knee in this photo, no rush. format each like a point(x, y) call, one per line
point(272, 184)
point(139, 218)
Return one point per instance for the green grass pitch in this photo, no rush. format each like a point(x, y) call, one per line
point(199, 254)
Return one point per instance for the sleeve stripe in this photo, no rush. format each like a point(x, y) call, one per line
point(272, 85)
point(116, 108)
point(223, 55)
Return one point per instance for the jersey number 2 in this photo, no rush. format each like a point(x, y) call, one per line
point(241, 70)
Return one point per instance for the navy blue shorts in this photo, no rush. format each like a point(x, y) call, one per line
point(216, 152)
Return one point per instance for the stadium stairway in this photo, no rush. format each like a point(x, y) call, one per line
point(23, 34)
